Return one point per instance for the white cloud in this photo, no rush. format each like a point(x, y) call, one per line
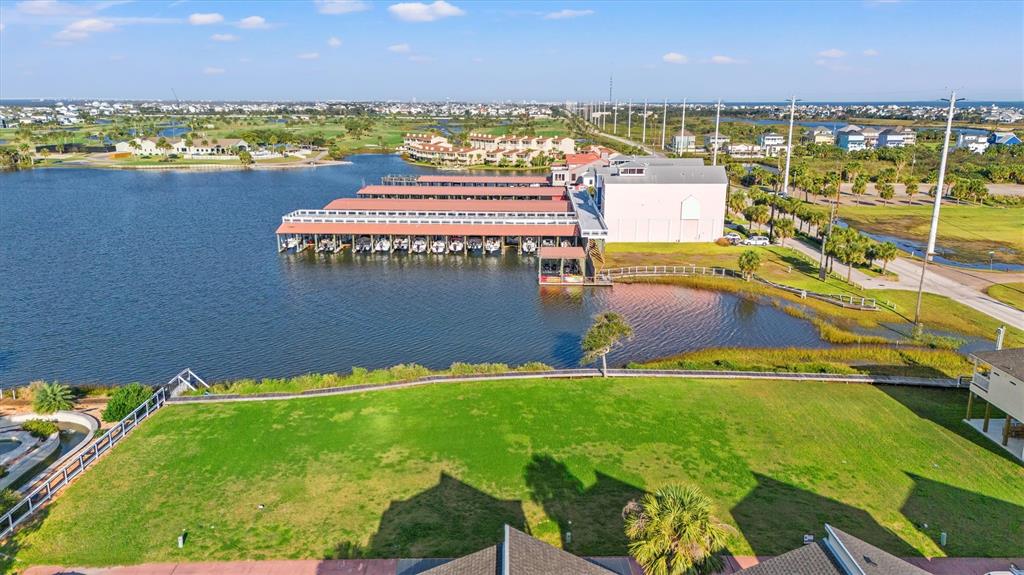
point(421, 12)
point(253, 22)
point(871, 52)
point(334, 41)
point(308, 56)
point(567, 13)
point(52, 8)
point(719, 59)
point(81, 29)
point(675, 58)
point(213, 71)
point(204, 19)
point(399, 48)
point(420, 58)
point(341, 6)
point(832, 53)
point(223, 37)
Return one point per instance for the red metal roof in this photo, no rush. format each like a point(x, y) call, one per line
point(524, 180)
point(406, 205)
point(559, 252)
point(427, 229)
point(545, 191)
point(581, 159)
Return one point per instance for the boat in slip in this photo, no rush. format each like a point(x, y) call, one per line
point(492, 246)
point(475, 245)
point(382, 245)
point(437, 246)
point(363, 245)
point(456, 244)
point(400, 244)
point(529, 246)
point(419, 245)
point(547, 242)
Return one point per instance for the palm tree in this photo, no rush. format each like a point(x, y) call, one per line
point(737, 201)
point(673, 532)
point(886, 252)
point(51, 397)
point(749, 261)
point(608, 330)
point(784, 229)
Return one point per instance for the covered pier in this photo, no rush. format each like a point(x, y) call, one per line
point(561, 265)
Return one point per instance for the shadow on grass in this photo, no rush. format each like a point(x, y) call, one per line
point(450, 519)
point(947, 408)
point(775, 516)
point(976, 524)
point(10, 549)
point(593, 515)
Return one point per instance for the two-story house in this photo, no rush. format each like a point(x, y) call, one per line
point(998, 380)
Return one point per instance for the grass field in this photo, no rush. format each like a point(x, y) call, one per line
point(972, 231)
point(1011, 294)
point(436, 471)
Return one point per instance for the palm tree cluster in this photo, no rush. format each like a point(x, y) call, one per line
point(853, 248)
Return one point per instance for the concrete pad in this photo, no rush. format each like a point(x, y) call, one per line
point(1015, 446)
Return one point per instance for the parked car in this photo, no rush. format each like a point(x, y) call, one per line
point(1014, 570)
point(756, 241)
point(733, 238)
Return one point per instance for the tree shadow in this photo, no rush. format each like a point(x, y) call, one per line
point(976, 524)
point(947, 408)
point(10, 548)
point(593, 515)
point(450, 519)
point(775, 516)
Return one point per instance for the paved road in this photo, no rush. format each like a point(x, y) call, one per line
point(964, 286)
point(649, 149)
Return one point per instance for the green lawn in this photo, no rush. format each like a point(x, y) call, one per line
point(1011, 294)
point(972, 231)
point(436, 471)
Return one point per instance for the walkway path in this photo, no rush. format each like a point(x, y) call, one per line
point(964, 286)
point(625, 566)
point(644, 147)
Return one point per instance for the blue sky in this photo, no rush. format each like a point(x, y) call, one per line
point(306, 50)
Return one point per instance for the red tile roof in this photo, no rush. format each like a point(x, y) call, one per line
point(405, 205)
point(581, 159)
point(521, 180)
point(543, 191)
point(557, 252)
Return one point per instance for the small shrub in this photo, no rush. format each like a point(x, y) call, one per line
point(723, 242)
point(3, 471)
point(40, 428)
point(8, 499)
point(405, 371)
point(51, 397)
point(459, 368)
point(124, 400)
point(532, 366)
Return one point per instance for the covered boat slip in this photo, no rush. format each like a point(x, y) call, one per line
point(561, 265)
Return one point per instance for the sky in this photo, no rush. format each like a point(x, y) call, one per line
point(864, 50)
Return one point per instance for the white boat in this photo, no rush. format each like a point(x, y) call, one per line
point(437, 247)
point(456, 245)
point(529, 246)
point(401, 244)
point(492, 246)
point(566, 244)
point(292, 243)
point(363, 245)
point(547, 242)
point(382, 245)
point(419, 245)
point(475, 245)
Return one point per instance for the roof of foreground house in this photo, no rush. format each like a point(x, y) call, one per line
point(838, 554)
point(519, 554)
point(1009, 360)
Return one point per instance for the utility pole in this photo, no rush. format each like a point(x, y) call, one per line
point(664, 118)
point(714, 144)
point(789, 146)
point(615, 118)
point(930, 250)
point(643, 138)
point(682, 128)
point(629, 120)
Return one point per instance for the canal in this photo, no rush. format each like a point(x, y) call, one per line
point(118, 276)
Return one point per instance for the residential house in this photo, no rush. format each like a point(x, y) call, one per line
point(772, 143)
point(204, 146)
point(742, 150)
point(892, 138)
point(568, 171)
point(485, 148)
point(415, 139)
point(819, 135)
point(976, 143)
point(686, 142)
point(871, 136)
point(850, 138)
point(147, 146)
point(1003, 139)
point(998, 380)
point(838, 553)
point(710, 143)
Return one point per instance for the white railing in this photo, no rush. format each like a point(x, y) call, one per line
point(314, 217)
point(47, 487)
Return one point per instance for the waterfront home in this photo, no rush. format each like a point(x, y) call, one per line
point(569, 170)
point(686, 142)
point(147, 146)
point(871, 136)
point(710, 143)
point(850, 138)
point(650, 199)
point(976, 143)
point(742, 150)
point(484, 149)
point(414, 139)
point(772, 143)
point(1003, 139)
point(819, 135)
point(998, 380)
point(892, 138)
point(210, 147)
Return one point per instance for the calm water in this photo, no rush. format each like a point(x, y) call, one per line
point(117, 276)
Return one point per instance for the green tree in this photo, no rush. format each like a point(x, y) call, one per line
point(246, 158)
point(737, 202)
point(608, 330)
point(886, 191)
point(910, 184)
point(749, 261)
point(860, 185)
point(673, 532)
point(758, 214)
point(784, 228)
point(51, 397)
point(886, 252)
point(124, 400)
